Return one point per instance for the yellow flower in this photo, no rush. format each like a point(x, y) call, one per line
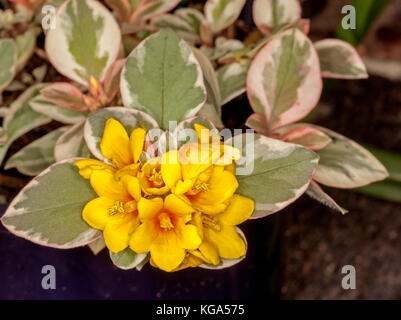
point(115, 210)
point(119, 148)
point(151, 179)
point(164, 231)
point(220, 236)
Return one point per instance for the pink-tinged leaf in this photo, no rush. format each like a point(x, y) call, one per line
point(317, 193)
point(148, 9)
point(111, 82)
point(65, 95)
point(308, 137)
point(122, 8)
point(340, 60)
point(304, 25)
point(258, 123)
point(284, 82)
point(269, 14)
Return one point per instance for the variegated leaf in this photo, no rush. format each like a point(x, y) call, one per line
point(221, 13)
point(184, 133)
point(284, 82)
point(127, 259)
point(48, 211)
point(179, 25)
point(65, 95)
point(42, 105)
point(346, 164)
point(194, 17)
point(258, 123)
point(232, 81)
point(339, 59)
point(26, 44)
point(122, 8)
point(272, 173)
point(148, 9)
point(163, 77)
point(72, 143)
point(129, 118)
point(20, 118)
point(304, 135)
point(269, 14)
point(111, 83)
point(36, 156)
point(97, 245)
point(85, 41)
point(317, 193)
point(227, 263)
point(212, 107)
point(8, 62)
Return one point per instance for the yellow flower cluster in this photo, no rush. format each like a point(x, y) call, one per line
point(180, 206)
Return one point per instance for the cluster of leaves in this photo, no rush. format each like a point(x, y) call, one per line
point(150, 67)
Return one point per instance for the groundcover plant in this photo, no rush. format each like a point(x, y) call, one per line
point(138, 164)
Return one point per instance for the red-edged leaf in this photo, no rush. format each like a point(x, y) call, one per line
point(308, 137)
point(65, 95)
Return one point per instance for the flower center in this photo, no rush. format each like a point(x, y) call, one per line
point(118, 207)
point(202, 186)
point(211, 223)
point(156, 177)
point(165, 221)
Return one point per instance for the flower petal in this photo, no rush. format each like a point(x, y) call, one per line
point(209, 252)
point(143, 237)
point(96, 213)
point(178, 204)
point(115, 144)
point(170, 168)
point(228, 242)
point(132, 185)
point(166, 252)
point(87, 166)
point(188, 236)
point(105, 185)
point(118, 231)
point(238, 211)
point(147, 208)
point(137, 141)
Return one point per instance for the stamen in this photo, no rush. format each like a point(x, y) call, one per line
point(118, 207)
point(211, 223)
point(165, 222)
point(156, 177)
point(202, 186)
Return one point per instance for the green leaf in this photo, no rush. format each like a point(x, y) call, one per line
point(284, 82)
point(391, 160)
point(179, 25)
point(274, 174)
point(42, 105)
point(221, 13)
point(36, 156)
point(346, 164)
point(194, 17)
point(127, 259)
point(85, 41)
point(162, 77)
point(269, 14)
point(20, 118)
point(8, 62)
point(367, 11)
point(26, 45)
point(129, 118)
point(97, 245)
point(232, 81)
point(72, 144)
point(389, 190)
point(338, 59)
point(48, 211)
point(154, 8)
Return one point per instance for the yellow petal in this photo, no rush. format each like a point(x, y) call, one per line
point(178, 204)
point(132, 185)
point(238, 211)
point(87, 166)
point(209, 252)
point(228, 242)
point(118, 231)
point(166, 252)
point(147, 208)
point(209, 208)
point(170, 168)
point(115, 144)
point(202, 133)
point(137, 140)
point(96, 212)
point(105, 185)
point(143, 237)
point(194, 159)
point(157, 191)
point(188, 236)
point(190, 261)
point(184, 186)
point(131, 170)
